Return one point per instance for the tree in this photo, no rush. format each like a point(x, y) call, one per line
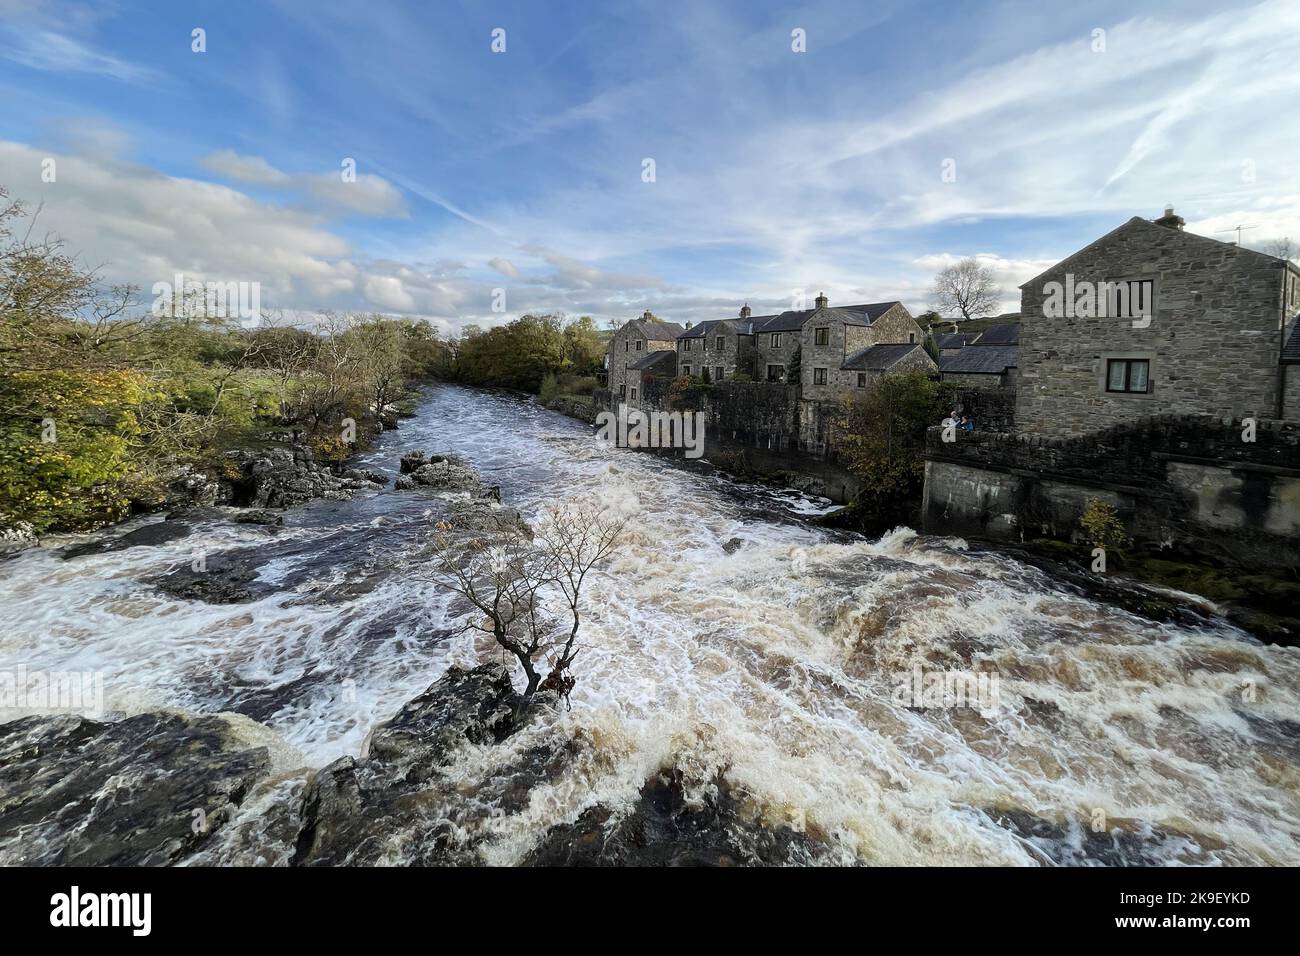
point(968, 288)
point(510, 574)
point(1283, 248)
point(880, 438)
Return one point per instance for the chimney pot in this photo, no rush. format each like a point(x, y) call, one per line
point(744, 311)
point(1171, 220)
point(822, 301)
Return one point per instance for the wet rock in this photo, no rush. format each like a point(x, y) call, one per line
point(259, 516)
point(732, 546)
point(147, 535)
point(411, 461)
point(367, 475)
point(448, 475)
point(404, 483)
point(1122, 843)
point(148, 790)
point(282, 477)
point(399, 803)
point(16, 536)
point(191, 487)
point(218, 583)
point(664, 828)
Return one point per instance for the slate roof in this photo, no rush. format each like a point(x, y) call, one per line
point(989, 360)
point(742, 326)
point(1008, 334)
point(653, 358)
point(794, 319)
point(1291, 343)
point(877, 358)
point(657, 331)
point(955, 340)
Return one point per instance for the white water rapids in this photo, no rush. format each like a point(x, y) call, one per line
point(774, 661)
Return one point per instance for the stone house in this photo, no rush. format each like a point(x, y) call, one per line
point(988, 366)
point(1152, 320)
point(864, 368)
point(828, 337)
point(633, 342)
point(719, 349)
point(989, 362)
point(660, 364)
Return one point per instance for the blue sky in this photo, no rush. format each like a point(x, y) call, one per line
point(522, 170)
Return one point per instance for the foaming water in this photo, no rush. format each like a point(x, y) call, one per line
point(730, 637)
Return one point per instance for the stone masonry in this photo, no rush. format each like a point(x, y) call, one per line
point(1213, 342)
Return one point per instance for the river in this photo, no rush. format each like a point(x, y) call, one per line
point(728, 635)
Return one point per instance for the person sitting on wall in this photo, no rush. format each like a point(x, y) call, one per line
point(967, 424)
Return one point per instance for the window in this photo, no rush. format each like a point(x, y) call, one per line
point(627, 345)
point(775, 340)
point(633, 395)
point(686, 370)
point(822, 336)
point(911, 338)
point(622, 391)
point(717, 373)
point(776, 373)
point(819, 375)
point(640, 345)
point(862, 380)
point(1132, 298)
point(1128, 375)
point(720, 343)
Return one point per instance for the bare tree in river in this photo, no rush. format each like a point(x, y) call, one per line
point(516, 577)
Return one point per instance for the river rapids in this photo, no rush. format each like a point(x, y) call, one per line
point(727, 636)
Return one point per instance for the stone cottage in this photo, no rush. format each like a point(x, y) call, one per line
point(636, 340)
point(1150, 320)
point(720, 349)
point(988, 362)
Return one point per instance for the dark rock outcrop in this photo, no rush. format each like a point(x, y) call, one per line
point(259, 516)
point(144, 791)
point(397, 804)
point(159, 532)
point(283, 477)
point(220, 582)
point(665, 829)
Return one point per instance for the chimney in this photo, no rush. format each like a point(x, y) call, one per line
point(1169, 220)
point(821, 301)
point(647, 316)
point(744, 311)
point(688, 326)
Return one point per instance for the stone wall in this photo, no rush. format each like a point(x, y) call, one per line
point(1188, 481)
point(992, 409)
point(1291, 395)
point(735, 357)
point(787, 354)
point(1213, 341)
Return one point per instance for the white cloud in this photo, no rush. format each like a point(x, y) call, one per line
point(504, 266)
point(244, 169)
point(368, 194)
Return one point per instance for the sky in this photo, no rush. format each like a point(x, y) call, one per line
point(490, 182)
